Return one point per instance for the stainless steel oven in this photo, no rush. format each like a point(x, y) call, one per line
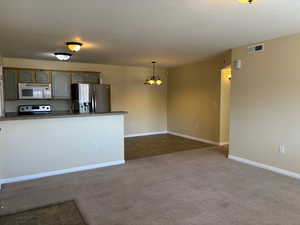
point(34, 91)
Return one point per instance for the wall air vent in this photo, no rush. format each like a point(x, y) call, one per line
point(256, 48)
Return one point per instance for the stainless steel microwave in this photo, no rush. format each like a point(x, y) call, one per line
point(34, 91)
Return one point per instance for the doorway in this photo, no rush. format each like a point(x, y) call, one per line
point(226, 75)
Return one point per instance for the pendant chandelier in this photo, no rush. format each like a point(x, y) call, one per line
point(154, 80)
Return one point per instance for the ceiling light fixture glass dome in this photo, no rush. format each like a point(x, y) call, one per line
point(151, 81)
point(247, 1)
point(63, 56)
point(158, 81)
point(74, 46)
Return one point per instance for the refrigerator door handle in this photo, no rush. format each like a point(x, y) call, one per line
point(93, 102)
point(95, 99)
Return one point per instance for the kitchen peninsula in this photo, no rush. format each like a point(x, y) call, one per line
point(44, 145)
point(57, 122)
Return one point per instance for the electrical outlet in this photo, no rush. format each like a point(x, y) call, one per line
point(282, 149)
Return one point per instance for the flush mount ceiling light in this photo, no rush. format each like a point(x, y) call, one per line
point(63, 56)
point(154, 80)
point(74, 46)
point(247, 1)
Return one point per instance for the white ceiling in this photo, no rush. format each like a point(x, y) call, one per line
point(135, 32)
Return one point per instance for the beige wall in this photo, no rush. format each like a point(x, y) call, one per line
point(194, 98)
point(225, 105)
point(146, 105)
point(265, 109)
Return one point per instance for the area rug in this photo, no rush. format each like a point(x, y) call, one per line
point(65, 213)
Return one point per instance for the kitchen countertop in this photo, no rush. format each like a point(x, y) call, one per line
point(16, 116)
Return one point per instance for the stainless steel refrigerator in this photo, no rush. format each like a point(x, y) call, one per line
point(91, 98)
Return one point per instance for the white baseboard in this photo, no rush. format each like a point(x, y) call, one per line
point(59, 172)
point(267, 167)
point(194, 138)
point(146, 134)
point(223, 143)
point(177, 134)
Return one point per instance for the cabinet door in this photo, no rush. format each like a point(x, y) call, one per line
point(10, 84)
point(26, 76)
point(92, 78)
point(61, 85)
point(77, 78)
point(88, 78)
point(42, 77)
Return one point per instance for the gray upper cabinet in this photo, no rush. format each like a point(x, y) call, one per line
point(61, 85)
point(61, 81)
point(92, 78)
point(26, 76)
point(42, 77)
point(89, 78)
point(10, 84)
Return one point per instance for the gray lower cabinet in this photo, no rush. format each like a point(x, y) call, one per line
point(89, 78)
point(10, 84)
point(61, 85)
point(26, 76)
point(42, 77)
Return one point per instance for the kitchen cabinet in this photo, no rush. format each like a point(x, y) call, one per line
point(89, 78)
point(61, 85)
point(42, 77)
point(31, 76)
point(10, 84)
point(61, 81)
point(26, 76)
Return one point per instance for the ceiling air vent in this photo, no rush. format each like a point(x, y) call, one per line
point(256, 48)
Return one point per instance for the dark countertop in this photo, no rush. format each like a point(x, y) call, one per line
point(15, 116)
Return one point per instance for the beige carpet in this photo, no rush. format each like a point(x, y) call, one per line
point(199, 187)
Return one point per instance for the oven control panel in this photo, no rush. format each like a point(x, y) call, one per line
point(35, 109)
